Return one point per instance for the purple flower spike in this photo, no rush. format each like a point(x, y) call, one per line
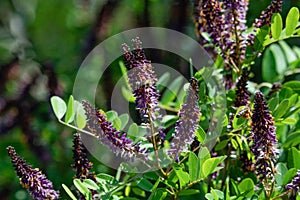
point(82, 166)
point(34, 180)
point(266, 15)
point(103, 129)
point(187, 123)
point(142, 80)
point(242, 93)
point(264, 139)
point(294, 185)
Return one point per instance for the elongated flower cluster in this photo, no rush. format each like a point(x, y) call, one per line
point(225, 24)
point(294, 185)
point(266, 15)
point(187, 123)
point(103, 129)
point(242, 93)
point(142, 80)
point(82, 166)
point(33, 180)
point(264, 139)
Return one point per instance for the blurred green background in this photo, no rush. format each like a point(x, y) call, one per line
point(42, 44)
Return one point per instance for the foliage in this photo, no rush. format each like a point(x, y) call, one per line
point(232, 168)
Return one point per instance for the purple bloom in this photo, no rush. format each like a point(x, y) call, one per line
point(266, 15)
point(187, 123)
point(81, 165)
point(264, 139)
point(98, 125)
point(294, 185)
point(242, 93)
point(34, 180)
point(142, 80)
point(225, 23)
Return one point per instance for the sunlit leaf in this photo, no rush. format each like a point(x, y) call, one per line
point(70, 110)
point(292, 20)
point(276, 25)
point(59, 106)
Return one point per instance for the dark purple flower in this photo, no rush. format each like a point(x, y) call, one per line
point(33, 180)
point(247, 163)
point(187, 123)
point(81, 165)
point(264, 139)
point(103, 129)
point(294, 185)
point(242, 93)
point(266, 15)
point(142, 80)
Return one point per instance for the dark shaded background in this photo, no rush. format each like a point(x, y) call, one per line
point(42, 44)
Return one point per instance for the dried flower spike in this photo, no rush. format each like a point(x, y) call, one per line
point(81, 165)
point(187, 123)
point(264, 140)
point(39, 187)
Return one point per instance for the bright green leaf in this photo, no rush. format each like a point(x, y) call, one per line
point(59, 106)
point(194, 166)
point(289, 175)
point(124, 120)
point(91, 184)
point(144, 184)
point(68, 191)
point(160, 193)
point(280, 62)
point(292, 20)
point(293, 158)
point(294, 85)
point(268, 71)
point(282, 108)
point(281, 171)
point(70, 110)
point(292, 139)
point(200, 134)
point(172, 91)
point(81, 187)
point(276, 25)
point(80, 121)
point(246, 187)
point(182, 175)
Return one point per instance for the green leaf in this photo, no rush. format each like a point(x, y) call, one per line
point(80, 121)
point(289, 121)
point(282, 170)
point(246, 187)
point(59, 106)
point(221, 145)
point(293, 158)
point(194, 166)
point(200, 134)
point(144, 184)
point(111, 115)
point(268, 71)
point(273, 103)
point(282, 108)
point(292, 20)
point(280, 62)
point(294, 85)
point(172, 90)
point(160, 193)
point(68, 191)
point(81, 187)
point(182, 175)
point(107, 178)
point(289, 175)
point(188, 192)
point(209, 166)
point(163, 81)
point(70, 110)
point(91, 184)
point(292, 140)
point(124, 120)
point(139, 192)
point(276, 25)
point(289, 53)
